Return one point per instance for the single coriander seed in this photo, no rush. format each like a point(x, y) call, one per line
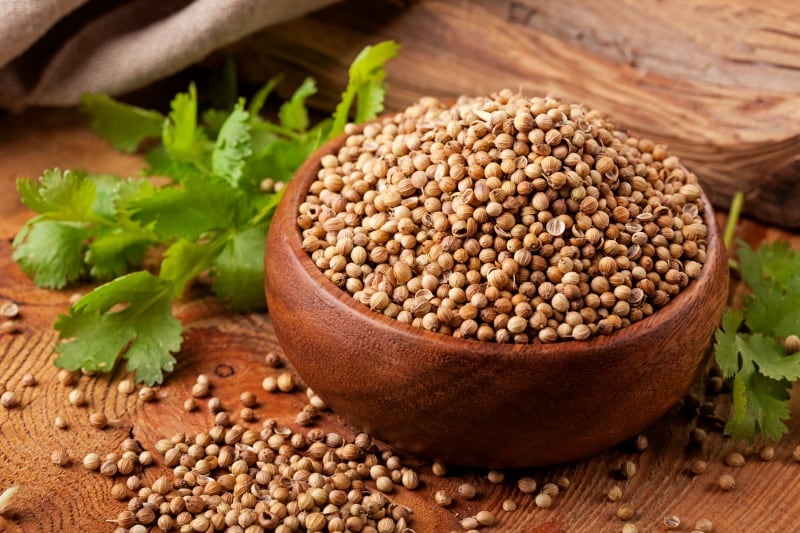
point(443, 498)
point(439, 469)
point(767, 453)
point(625, 512)
point(672, 522)
point(792, 344)
point(147, 394)
point(614, 493)
point(630, 528)
point(119, 491)
point(285, 382)
point(60, 457)
point(726, 482)
point(9, 399)
point(98, 420)
point(91, 461)
point(469, 523)
point(77, 397)
point(467, 491)
point(269, 384)
point(485, 518)
point(526, 485)
point(200, 390)
point(273, 360)
point(543, 501)
point(28, 380)
point(60, 422)
point(248, 399)
point(735, 460)
point(66, 377)
point(495, 476)
point(698, 466)
point(509, 505)
point(126, 386)
point(189, 405)
point(704, 525)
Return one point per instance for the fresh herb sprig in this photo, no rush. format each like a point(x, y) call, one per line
point(749, 348)
point(210, 216)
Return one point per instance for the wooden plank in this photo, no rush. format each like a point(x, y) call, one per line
point(53, 498)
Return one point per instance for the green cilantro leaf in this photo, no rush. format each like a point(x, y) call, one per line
point(124, 126)
point(233, 146)
point(67, 196)
point(293, 113)
point(774, 260)
point(366, 82)
point(260, 98)
point(760, 405)
point(130, 317)
point(184, 260)
point(181, 136)
point(50, 252)
point(775, 309)
point(239, 269)
point(115, 252)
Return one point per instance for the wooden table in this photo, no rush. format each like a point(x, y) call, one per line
point(230, 349)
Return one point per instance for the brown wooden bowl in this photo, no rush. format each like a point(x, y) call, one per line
point(480, 403)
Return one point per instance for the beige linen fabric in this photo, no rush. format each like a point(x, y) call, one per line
point(52, 51)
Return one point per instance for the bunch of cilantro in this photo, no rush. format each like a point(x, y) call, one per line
point(211, 215)
point(749, 348)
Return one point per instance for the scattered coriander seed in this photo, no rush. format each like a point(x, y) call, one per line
point(704, 525)
point(509, 505)
point(628, 469)
point(495, 476)
point(214, 404)
point(91, 461)
point(551, 489)
point(9, 310)
point(125, 465)
point(467, 491)
point(726, 482)
point(672, 522)
point(469, 523)
point(563, 482)
point(98, 420)
point(270, 384)
point(9, 326)
point(108, 468)
point(28, 380)
point(126, 519)
point(796, 453)
point(614, 493)
point(526, 485)
point(248, 399)
point(247, 414)
point(767, 453)
point(9, 399)
point(384, 484)
point(792, 344)
point(60, 457)
point(189, 405)
point(145, 458)
point(147, 394)
point(543, 501)
point(285, 382)
point(698, 435)
point(630, 528)
point(698, 466)
point(410, 479)
point(443, 498)
point(200, 390)
point(625, 512)
point(641, 444)
point(119, 491)
point(735, 460)
point(126, 386)
point(66, 377)
point(485, 518)
point(273, 360)
point(60, 422)
point(77, 397)
point(133, 483)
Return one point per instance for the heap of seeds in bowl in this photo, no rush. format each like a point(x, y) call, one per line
point(505, 219)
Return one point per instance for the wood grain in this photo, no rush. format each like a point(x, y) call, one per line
point(52, 498)
point(718, 82)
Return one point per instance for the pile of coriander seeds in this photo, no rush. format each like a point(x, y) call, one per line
point(505, 219)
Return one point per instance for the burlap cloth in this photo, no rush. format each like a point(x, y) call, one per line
point(52, 51)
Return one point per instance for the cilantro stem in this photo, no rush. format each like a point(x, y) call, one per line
point(734, 213)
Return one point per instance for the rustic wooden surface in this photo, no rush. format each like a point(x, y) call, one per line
point(718, 81)
point(219, 344)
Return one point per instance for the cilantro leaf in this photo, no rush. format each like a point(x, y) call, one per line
point(184, 260)
point(124, 126)
point(366, 77)
point(96, 332)
point(239, 269)
point(233, 146)
point(184, 211)
point(760, 404)
point(259, 99)
point(293, 113)
point(67, 196)
point(773, 309)
point(181, 136)
point(115, 252)
point(774, 260)
point(727, 350)
point(50, 252)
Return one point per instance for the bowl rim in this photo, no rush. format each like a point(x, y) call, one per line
point(595, 346)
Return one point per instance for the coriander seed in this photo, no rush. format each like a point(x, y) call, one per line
point(767, 453)
point(270, 384)
point(796, 453)
point(726, 482)
point(443, 498)
point(248, 399)
point(792, 344)
point(77, 397)
point(285, 382)
point(118, 491)
point(467, 491)
point(526, 485)
point(735, 460)
point(625, 512)
point(60, 457)
point(628, 469)
point(439, 469)
point(672, 522)
point(704, 525)
point(200, 390)
point(147, 394)
point(509, 505)
point(60, 422)
point(91, 461)
point(189, 405)
point(614, 493)
point(273, 359)
point(9, 399)
point(495, 476)
point(126, 386)
point(66, 377)
point(98, 420)
point(28, 380)
point(485, 518)
point(698, 466)
point(629, 528)
point(543, 501)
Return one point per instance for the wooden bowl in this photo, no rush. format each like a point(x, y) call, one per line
point(479, 403)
